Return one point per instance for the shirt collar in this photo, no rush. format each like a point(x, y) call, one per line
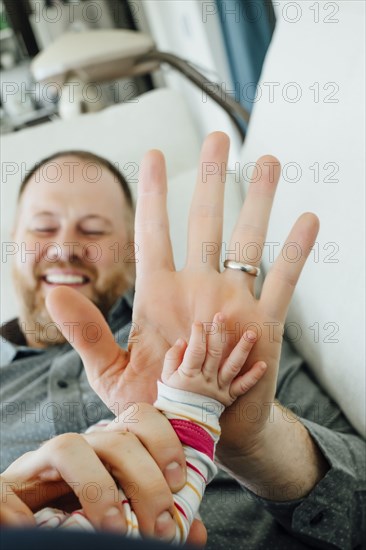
point(10, 350)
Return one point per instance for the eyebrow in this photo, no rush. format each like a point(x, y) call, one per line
point(95, 216)
point(88, 217)
point(44, 213)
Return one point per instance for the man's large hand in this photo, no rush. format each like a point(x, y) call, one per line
point(167, 301)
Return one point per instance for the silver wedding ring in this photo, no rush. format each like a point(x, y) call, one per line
point(247, 268)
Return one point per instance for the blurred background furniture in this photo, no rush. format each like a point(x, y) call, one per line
point(224, 41)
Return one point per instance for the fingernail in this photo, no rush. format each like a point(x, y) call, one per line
point(250, 335)
point(174, 476)
point(114, 520)
point(165, 526)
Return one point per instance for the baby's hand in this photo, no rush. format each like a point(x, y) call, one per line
point(196, 367)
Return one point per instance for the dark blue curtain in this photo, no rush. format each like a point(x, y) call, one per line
point(247, 28)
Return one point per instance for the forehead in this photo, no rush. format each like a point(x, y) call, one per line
point(72, 180)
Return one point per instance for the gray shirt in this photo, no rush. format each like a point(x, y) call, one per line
point(44, 392)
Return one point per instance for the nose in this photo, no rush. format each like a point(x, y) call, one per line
point(65, 247)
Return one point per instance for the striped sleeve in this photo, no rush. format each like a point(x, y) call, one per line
point(195, 418)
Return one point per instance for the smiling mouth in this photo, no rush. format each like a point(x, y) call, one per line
point(65, 279)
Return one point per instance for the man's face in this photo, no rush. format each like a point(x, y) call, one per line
point(73, 227)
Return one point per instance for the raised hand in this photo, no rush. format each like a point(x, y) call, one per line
point(167, 301)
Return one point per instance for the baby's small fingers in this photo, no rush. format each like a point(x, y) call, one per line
point(215, 345)
point(173, 358)
point(243, 383)
point(236, 360)
point(196, 350)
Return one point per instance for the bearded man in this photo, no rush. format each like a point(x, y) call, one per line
point(299, 477)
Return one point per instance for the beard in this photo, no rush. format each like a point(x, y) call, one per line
point(34, 320)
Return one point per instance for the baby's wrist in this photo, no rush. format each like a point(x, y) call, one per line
point(202, 409)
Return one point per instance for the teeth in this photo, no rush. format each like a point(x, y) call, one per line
point(60, 278)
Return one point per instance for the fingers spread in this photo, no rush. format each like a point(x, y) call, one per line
point(152, 239)
point(281, 281)
point(206, 213)
point(251, 229)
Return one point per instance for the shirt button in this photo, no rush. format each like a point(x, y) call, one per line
point(62, 384)
point(316, 519)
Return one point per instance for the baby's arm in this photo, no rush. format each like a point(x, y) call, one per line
point(193, 396)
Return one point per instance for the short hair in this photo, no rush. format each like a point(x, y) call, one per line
point(85, 155)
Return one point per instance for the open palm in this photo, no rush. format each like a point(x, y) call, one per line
point(167, 301)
